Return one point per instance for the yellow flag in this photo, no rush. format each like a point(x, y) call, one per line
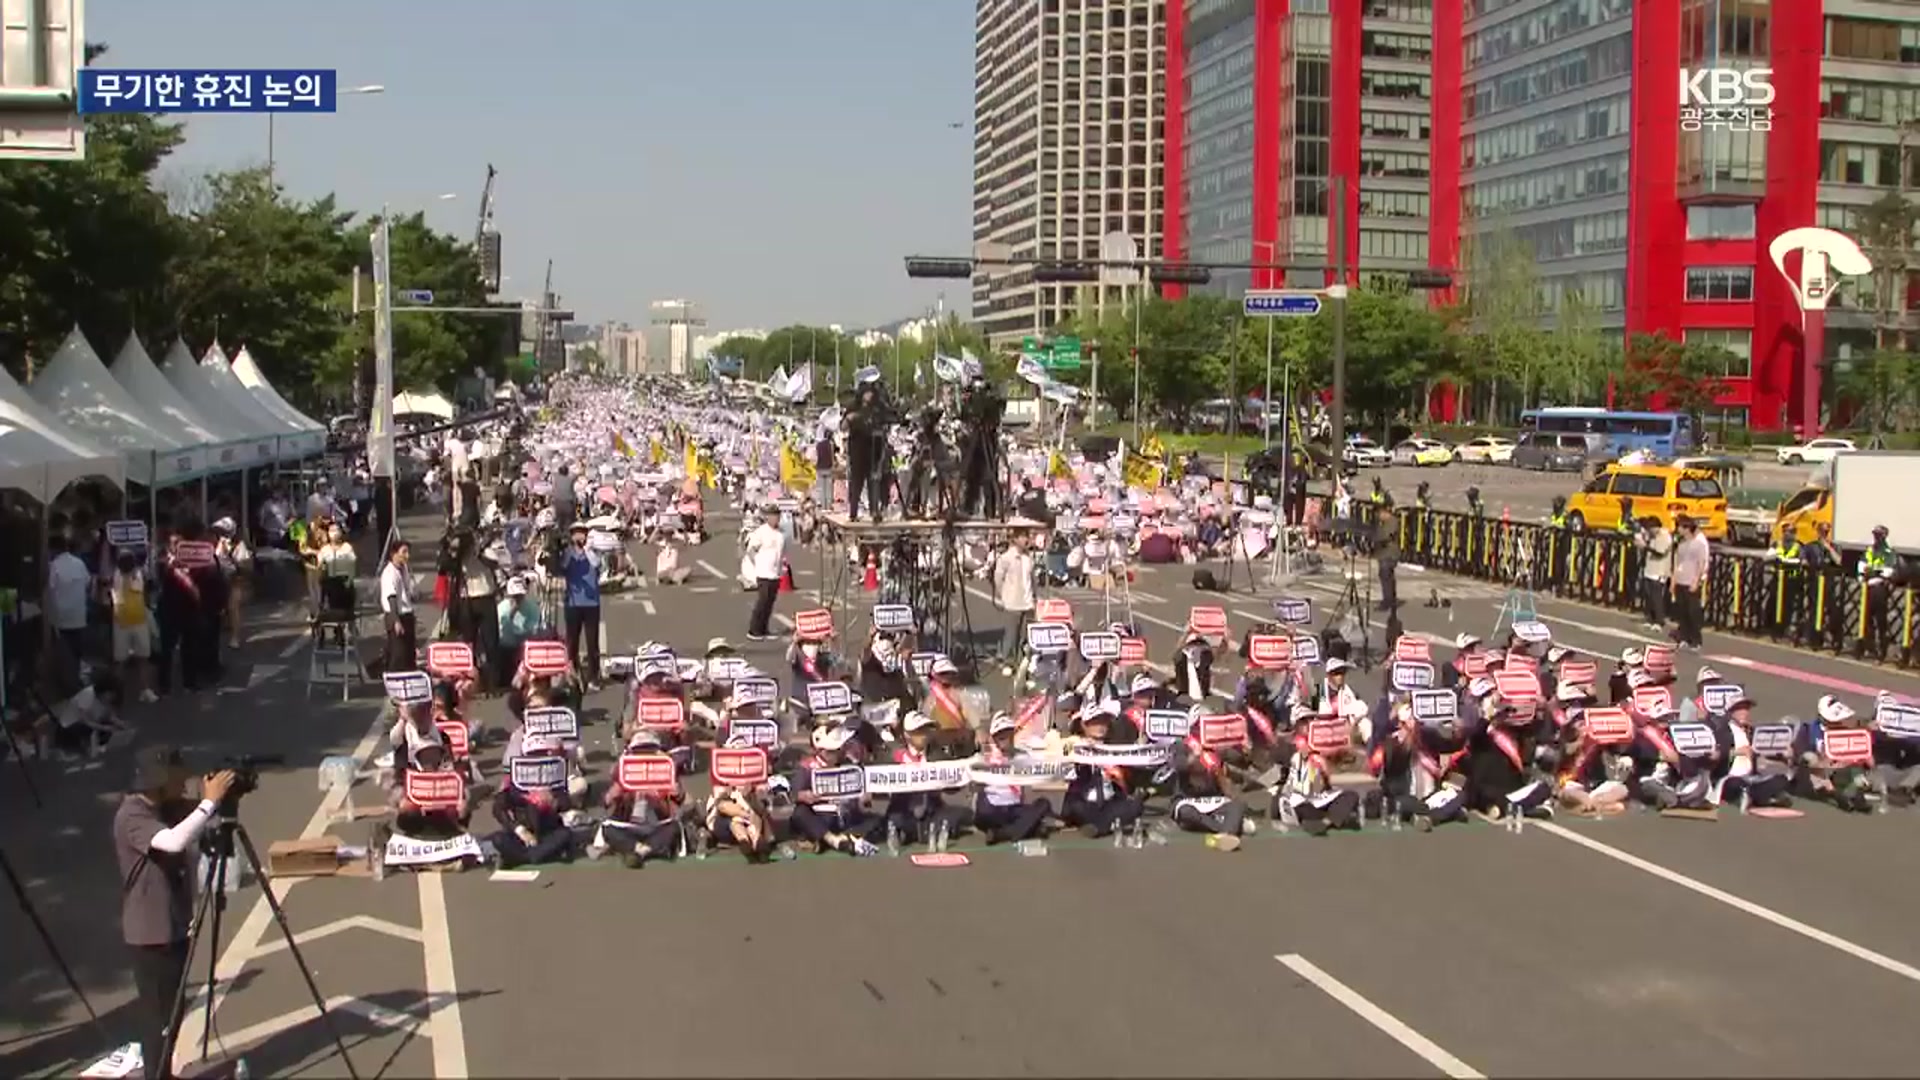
point(796, 471)
point(656, 453)
point(1154, 448)
point(1057, 466)
point(1138, 471)
point(620, 445)
point(690, 461)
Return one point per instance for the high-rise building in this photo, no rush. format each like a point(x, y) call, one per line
point(623, 350)
point(671, 335)
point(1463, 131)
point(1070, 99)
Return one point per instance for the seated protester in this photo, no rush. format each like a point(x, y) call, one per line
point(1586, 775)
point(1896, 756)
point(1204, 786)
point(883, 675)
point(419, 747)
point(1158, 547)
point(810, 661)
point(1001, 811)
point(1664, 778)
point(1844, 785)
point(741, 818)
point(920, 817)
point(1099, 799)
point(954, 734)
point(1336, 698)
point(640, 826)
point(1755, 776)
point(1620, 683)
point(520, 618)
point(655, 680)
point(1503, 773)
point(1098, 683)
point(1193, 669)
point(667, 567)
point(1307, 798)
point(534, 827)
point(1209, 536)
point(1143, 693)
point(707, 699)
point(1404, 790)
point(81, 718)
point(1453, 672)
point(844, 825)
point(1693, 709)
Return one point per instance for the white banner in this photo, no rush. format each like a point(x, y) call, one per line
point(1125, 756)
point(1021, 772)
point(405, 851)
point(910, 779)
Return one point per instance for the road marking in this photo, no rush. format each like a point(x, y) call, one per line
point(648, 604)
point(246, 941)
point(444, 1025)
point(231, 1042)
point(292, 646)
point(1827, 682)
point(338, 926)
point(1427, 1049)
point(1784, 922)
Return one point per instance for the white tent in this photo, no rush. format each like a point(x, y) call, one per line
point(75, 387)
point(261, 443)
point(288, 436)
point(429, 404)
point(133, 369)
point(38, 455)
point(312, 437)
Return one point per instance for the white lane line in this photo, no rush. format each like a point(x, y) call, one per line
point(444, 1025)
point(648, 604)
point(1397, 1030)
point(246, 942)
point(232, 1042)
point(292, 646)
point(1784, 922)
point(356, 922)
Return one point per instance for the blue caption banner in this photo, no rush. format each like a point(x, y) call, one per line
point(105, 90)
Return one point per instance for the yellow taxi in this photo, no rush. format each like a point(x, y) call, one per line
point(1657, 491)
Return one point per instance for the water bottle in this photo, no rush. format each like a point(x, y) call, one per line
point(1119, 837)
point(1398, 824)
point(893, 839)
point(240, 1070)
point(787, 853)
point(1746, 800)
point(1031, 848)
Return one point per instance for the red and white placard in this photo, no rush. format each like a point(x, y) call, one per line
point(1579, 672)
point(646, 774)
point(1609, 726)
point(739, 766)
point(1517, 686)
point(1219, 732)
point(816, 624)
point(449, 659)
point(545, 657)
point(1208, 622)
point(661, 714)
point(1653, 701)
point(1052, 609)
point(1328, 735)
point(1849, 746)
point(1414, 650)
point(441, 790)
point(1269, 650)
point(1133, 650)
point(454, 734)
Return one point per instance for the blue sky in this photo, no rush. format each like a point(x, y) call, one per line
point(772, 160)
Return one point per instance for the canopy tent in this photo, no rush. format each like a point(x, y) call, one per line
point(429, 404)
point(261, 444)
point(39, 455)
point(133, 369)
point(293, 441)
point(75, 387)
point(313, 435)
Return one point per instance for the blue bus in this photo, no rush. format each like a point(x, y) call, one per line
point(1666, 434)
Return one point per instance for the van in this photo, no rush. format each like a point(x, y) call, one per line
point(1656, 491)
point(1552, 451)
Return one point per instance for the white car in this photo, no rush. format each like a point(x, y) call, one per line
point(1490, 449)
point(1815, 452)
point(1364, 453)
point(1422, 452)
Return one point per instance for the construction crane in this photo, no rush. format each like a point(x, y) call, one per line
point(486, 240)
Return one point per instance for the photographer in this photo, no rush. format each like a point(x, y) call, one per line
point(867, 424)
point(153, 839)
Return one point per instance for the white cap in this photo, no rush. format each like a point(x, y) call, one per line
point(1632, 656)
point(1466, 641)
point(715, 644)
point(1569, 692)
point(1337, 665)
point(1099, 710)
point(1557, 653)
point(1002, 721)
point(1705, 675)
point(916, 720)
point(831, 737)
point(1833, 710)
point(1143, 684)
point(645, 737)
point(945, 666)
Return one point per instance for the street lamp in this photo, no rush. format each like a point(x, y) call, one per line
point(369, 88)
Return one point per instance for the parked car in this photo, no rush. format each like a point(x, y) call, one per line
point(1561, 451)
point(1422, 452)
point(1364, 453)
point(1815, 452)
point(1488, 449)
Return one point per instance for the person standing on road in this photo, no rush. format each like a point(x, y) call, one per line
point(766, 555)
point(581, 566)
point(1690, 561)
point(69, 592)
point(1656, 566)
point(1013, 589)
point(396, 609)
point(153, 841)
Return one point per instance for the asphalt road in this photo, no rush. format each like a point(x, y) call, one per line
point(1634, 946)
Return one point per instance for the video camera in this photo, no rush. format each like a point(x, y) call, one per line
point(246, 778)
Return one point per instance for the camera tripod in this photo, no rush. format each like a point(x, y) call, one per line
point(19, 890)
point(219, 849)
point(1355, 602)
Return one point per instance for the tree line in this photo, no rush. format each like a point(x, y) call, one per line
point(110, 246)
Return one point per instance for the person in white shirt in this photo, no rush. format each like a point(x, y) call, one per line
point(766, 553)
point(1013, 588)
point(667, 569)
point(396, 609)
point(69, 588)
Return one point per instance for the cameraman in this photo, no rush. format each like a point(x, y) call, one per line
point(153, 839)
point(867, 462)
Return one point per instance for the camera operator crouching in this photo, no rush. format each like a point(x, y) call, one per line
point(153, 838)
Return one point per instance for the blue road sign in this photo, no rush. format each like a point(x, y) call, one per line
point(1274, 302)
point(425, 296)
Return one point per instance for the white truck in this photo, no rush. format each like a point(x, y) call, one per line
point(1853, 494)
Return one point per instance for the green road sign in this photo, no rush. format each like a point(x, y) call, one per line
point(1065, 354)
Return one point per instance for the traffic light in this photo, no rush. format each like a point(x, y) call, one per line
point(1066, 272)
point(918, 267)
point(1180, 274)
point(1429, 279)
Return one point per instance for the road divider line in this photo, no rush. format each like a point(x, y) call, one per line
point(356, 922)
point(292, 646)
point(444, 1024)
point(1392, 1026)
point(648, 604)
point(1738, 903)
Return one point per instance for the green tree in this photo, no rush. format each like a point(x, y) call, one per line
point(1672, 376)
point(1887, 230)
point(1880, 388)
point(1506, 308)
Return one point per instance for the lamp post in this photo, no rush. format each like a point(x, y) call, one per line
point(370, 88)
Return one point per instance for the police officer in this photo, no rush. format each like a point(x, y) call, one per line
point(1876, 570)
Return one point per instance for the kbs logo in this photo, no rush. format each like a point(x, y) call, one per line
point(1729, 99)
